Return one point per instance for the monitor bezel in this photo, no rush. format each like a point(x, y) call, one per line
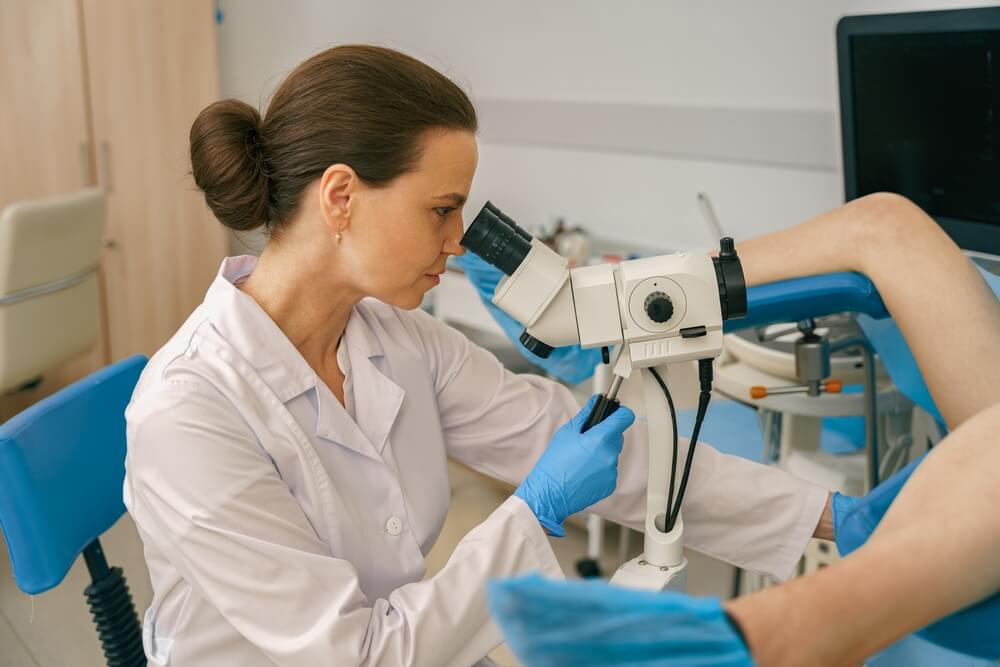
point(968, 234)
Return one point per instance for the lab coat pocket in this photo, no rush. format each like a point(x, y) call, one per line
point(157, 648)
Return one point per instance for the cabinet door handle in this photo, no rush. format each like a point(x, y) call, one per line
point(105, 164)
point(110, 243)
point(85, 174)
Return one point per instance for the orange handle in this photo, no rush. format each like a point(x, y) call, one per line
point(833, 386)
point(758, 392)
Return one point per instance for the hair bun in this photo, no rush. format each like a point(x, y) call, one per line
point(227, 162)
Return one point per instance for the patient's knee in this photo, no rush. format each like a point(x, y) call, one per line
point(886, 204)
point(887, 214)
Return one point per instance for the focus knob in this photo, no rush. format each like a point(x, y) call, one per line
point(658, 307)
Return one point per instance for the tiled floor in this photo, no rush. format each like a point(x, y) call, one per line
point(54, 629)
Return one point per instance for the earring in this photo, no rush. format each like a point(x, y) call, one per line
point(339, 237)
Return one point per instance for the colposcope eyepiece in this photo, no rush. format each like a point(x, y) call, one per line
point(732, 284)
point(510, 221)
point(492, 238)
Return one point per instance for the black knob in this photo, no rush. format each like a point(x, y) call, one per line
point(659, 307)
point(727, 247)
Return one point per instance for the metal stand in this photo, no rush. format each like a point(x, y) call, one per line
point(662, 566)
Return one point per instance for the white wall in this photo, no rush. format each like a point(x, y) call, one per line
point(726, 54)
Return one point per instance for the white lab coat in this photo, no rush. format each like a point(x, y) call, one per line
point(280, 530)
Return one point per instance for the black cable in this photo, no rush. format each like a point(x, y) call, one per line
point(705, 378)
point(703, 399)
point(673, 459)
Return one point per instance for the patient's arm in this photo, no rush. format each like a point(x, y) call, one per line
point(946, 312)
point(933, 553)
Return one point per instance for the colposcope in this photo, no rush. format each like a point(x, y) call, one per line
point(654, 312)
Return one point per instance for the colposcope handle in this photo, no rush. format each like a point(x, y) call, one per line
point(603, 407)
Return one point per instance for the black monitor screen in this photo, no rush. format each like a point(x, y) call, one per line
point(920, 115)
point(927, 120)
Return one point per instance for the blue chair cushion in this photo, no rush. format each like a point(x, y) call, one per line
point(913, 651)
point(62, 465)
point(730, 427)
point(842, 435)
point(734, 428)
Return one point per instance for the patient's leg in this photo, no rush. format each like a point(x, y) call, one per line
point(933, 554)
point(946, 312)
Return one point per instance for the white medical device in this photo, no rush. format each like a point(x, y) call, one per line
point(655, 312)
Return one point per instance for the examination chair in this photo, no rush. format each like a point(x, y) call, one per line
point(816, 296)
point(62, 465)
point(49, 308)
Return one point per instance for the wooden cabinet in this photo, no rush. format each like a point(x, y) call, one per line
point(104, 92)
point(152, 65)
point(44, 135)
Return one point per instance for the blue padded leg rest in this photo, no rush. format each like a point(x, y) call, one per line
point(812, 296)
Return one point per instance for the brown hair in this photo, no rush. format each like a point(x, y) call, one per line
point(363, 106)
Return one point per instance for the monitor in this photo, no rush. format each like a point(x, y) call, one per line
point(920, 115)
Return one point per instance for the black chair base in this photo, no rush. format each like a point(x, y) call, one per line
point(113, 611)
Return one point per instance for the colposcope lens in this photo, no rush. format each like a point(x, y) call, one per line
point(490, 237)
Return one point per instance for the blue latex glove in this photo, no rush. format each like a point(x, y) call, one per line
point(552, 623)
point(974, 629)
point(571, 364)
point(854, 519)
point(577, 469)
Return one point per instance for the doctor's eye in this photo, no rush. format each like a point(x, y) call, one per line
point(443, 211)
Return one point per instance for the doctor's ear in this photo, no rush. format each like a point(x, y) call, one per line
point(338, 184)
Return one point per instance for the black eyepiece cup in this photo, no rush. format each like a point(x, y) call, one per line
point(493, 239)
point(510, 222)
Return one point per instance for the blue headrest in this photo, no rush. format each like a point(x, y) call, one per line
point(62, 465)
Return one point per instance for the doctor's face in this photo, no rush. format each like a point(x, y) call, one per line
point(402, 234)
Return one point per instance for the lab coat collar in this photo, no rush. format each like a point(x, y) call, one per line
point(377, 398)
point(255, 336)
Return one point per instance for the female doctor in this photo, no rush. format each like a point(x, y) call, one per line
point(287, 447)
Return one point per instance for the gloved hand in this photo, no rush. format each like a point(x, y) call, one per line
point(854, 519)
point(571, 364)
point(552, 623)
point(972, 630)
point(577, 469)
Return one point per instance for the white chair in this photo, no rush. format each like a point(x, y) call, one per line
point(49, 305)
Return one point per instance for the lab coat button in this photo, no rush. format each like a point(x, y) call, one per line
point(394, 526)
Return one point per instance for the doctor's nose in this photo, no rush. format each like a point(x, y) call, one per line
point(452, 238)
